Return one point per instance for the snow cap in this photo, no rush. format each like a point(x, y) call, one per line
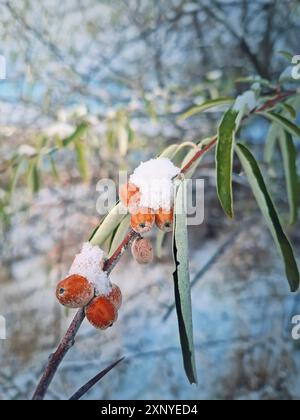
point(88, 263)
point(154, 178)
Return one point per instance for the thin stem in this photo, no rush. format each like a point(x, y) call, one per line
point(56, 358)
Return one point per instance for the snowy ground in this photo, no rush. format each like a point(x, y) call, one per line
point(242, 313)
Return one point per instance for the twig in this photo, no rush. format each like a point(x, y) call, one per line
point(92, 382)
point(68, 340)
point(110, 264)
point(56, 358)
point(269, 104)
point(200, 153)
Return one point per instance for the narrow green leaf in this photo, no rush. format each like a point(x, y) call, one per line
point(78, 133)
point(256, 79)
point(119, 235)
point(224, 160)
point(14, 179)
point(108, 225)
point(92, 382)
point(34, 178)
point(212, 103)
point(289, 156)
point(287, 125)
point(287, 55)
point(169, 152)
point(289, 109)
point(270, 144)
point(53, 167)
point(270, 214)
point(181, 153)
point(182, 286)
point(81, 159)
point(122, 135)
point(130, 133)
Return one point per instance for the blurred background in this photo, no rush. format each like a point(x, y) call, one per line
point(92, 86)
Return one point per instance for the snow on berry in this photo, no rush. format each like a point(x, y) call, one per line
point(89, 264)
point(154, 179)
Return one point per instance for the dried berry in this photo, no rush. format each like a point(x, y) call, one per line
point(127, 192)
point(75, 291)
point(115, 296)
point(143, 220)
point(164, 220)
point(142, 251)
point(101, 313)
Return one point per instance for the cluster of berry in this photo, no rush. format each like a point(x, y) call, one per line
point(88, 286)
point(142, 218)
point(77, 292)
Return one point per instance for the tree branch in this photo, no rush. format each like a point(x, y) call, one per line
point(68, 340)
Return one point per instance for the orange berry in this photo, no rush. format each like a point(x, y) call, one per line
point(143, 220)
point(115, 296)
point(75, 291)
point(142, 251)
point(101, 313)
point(164, 220)
point(127, 192)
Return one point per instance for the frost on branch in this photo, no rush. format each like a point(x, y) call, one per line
point(154, 179)
point(89, 264)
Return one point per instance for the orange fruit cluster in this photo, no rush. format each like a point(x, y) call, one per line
point(143, 219)
point(77, 292)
